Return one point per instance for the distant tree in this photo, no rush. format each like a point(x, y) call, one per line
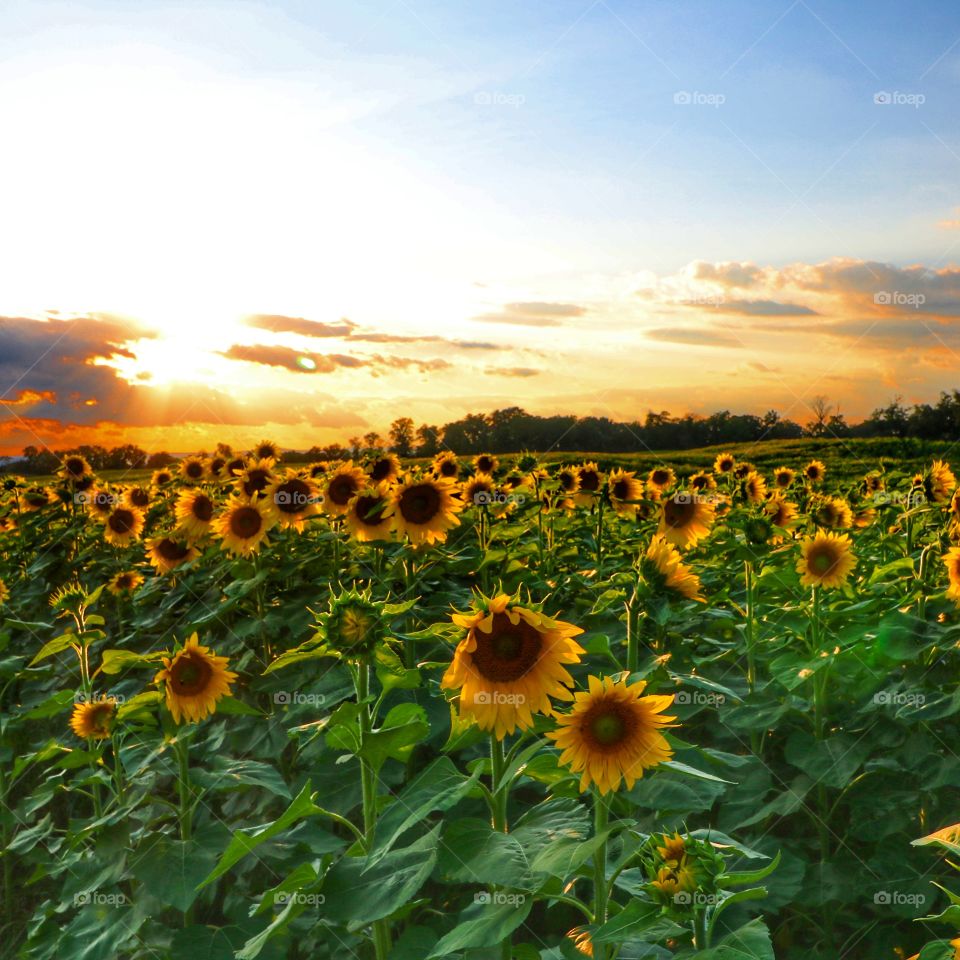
point(820, 410)
point(402, 436)
point(126, 457)
point(372, 442)
point(428, 440)
point(161, 459)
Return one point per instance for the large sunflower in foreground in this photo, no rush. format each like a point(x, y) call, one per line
point(243, 526)
point(94, 718)
point(426, 509)
point(826, 560)
point(370, 515)
point(123, 525)
point(662, 567)
point(625, 490)
point(195, 679)
point(613, 733)
point(685, 519)
point(168, 553)
point(194, 511)
point(951, 560)
point(341, 486)
point(295, 498)
point(511, 662)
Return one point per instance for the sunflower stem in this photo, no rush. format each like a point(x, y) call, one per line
point(601, 812)
point(498, 811)
point(633, 633)
point(185, 809)
point(599, 537)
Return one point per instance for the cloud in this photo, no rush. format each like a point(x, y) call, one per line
point(533, 314)
point(295, 360)
point(277, 323)
point(763, 308)
point(511, 372)
point(699, 336)
point(29, 398)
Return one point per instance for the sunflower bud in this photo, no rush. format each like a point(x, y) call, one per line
point(354, 626)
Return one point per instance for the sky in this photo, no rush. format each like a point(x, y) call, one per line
point(301, 219)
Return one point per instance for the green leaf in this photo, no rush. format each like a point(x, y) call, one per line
point(750, 942)
point(403, 728)
point(54, 646)
point(631, 921)
point(171, 869)
point(740, 877)
point(485, 923)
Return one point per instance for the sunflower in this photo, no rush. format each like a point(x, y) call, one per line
point(674, 850)
point(613, 733)
point(167, 553)
point(243, 526)
point(815, 471)
point(386, 468)
point(662, 478)
point(781, 512)
point(161, 477)
point(99, 502)
point(783, 477)
point(216, 468)
point(485, 463)
point(951, 560)
point(624, 487)
point(426, 509)
point(36, 498)
point(318, 469)
point(195, 680)
point(479, 490)
point(138, 497)
point(370, 514)
point(294, 498)
point(192, 469)
point(94, 718)
point(939, 482)
point(121, 584)
point(754, 487)
point(873, 483)
point(235, 466)
point(123, 525)
point(266, 450)
point(74, 467)
point(4, 593)
point(194, 512)
point(703, 482)
point(582, 941)
point(743, 469)
point(342, 485)
point(256, 476)
point(591, 481)
point(663, 567)
point(826, 560)
point(354, 627)
point(724, 463)
point(511, 662)
point(685, 519)
point(569, 480)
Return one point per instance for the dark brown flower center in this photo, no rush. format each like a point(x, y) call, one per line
point(567, 480)
point(381, 469)
point(194, 470)
point(607, 724)
point(124, 581)
point(99, 717)
point(485, 464)
point(621, 490)
point(190, 675)
point(217, 465)
point(678, 513)
point(660, 477)
point(163, 477)
point(449, 468)
point(74, 466)
point(235, 466)
point(292, 496)
point(170, 550)
point(589, 480)
point(37, 499)
point(420, 503)
point(139, 497)
point(699, 482)
point(256, 481)
point(121, 521)
point(508, 652)
point(342, 488)
point(202, 507)
point(245, 522)
point(370, 510)
point(822, 560)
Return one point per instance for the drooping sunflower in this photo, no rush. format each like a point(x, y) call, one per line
point(341, 486)
point(94, 719)
point(662, 478)
point(613, 733)
point(370, 514)
point(783, 477)
point(216, 468)
point(426, 509)
point(511, 662)
point(590, 484)
point(951, 560)
point(781, 512)
point(295, 498)
point(194, 512)
point(123, 525)
point(137, 496)
point(833, 512)
point(385, 468)
point(192, 469)
point(873, 482)
point(243, 525)
point(754, 487)
point(486, 463)
point(266, 450)
point(815, 471)
point(939, 482)
point(168, 553)
point(663, 568)
point(826, 560)
point(161, 477)
point(256, 476)
point(582, 941)
point(685, 518)
point(623, 487)
point(724, 463)
point(124, 583)
point(195, 679)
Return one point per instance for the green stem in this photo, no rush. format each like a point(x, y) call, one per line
point(498, 812)
point(633, 633)
point(599, 537)
point(601, 813)
point(185, 808)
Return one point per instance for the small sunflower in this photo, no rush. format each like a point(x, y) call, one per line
point(137, 496)
point(783, 477)
point(478, 490)
point(195, 679)
point(511, 662)
point(194, 512)
point(74, 467)
point(486, 463)
point(703, 482)
point(295, 498)
point(781, 512)
point(446, 465)
point(235, 466)
point(685, 519)
point(193, 469)
point(743, 469)
point(385, 468)
point(613, 733)
point(36, 498)
point(353, 627)
point(754, 487)
point(951, 560)
point(123, 525)
point(94, 718)
point(591, 482)
point(370, 514)
point(662, 478)
point(124, 583)
point(161, 477)
point(318, 469)
point(815, 471)
point(625, 490)
point(216, 468)
point(873, 482)
point(266, 450)
point(569, 480)
point(833, 512)
point(826, 560)
point(244, 525)
point(426, 509)
point(341, 486)
point(724, 463)
point(256, 476)
point(168, 553)
point(100, 502)
point(663, 567)
point(939, 482)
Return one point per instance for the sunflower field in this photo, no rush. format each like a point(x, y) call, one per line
point(479, 709)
